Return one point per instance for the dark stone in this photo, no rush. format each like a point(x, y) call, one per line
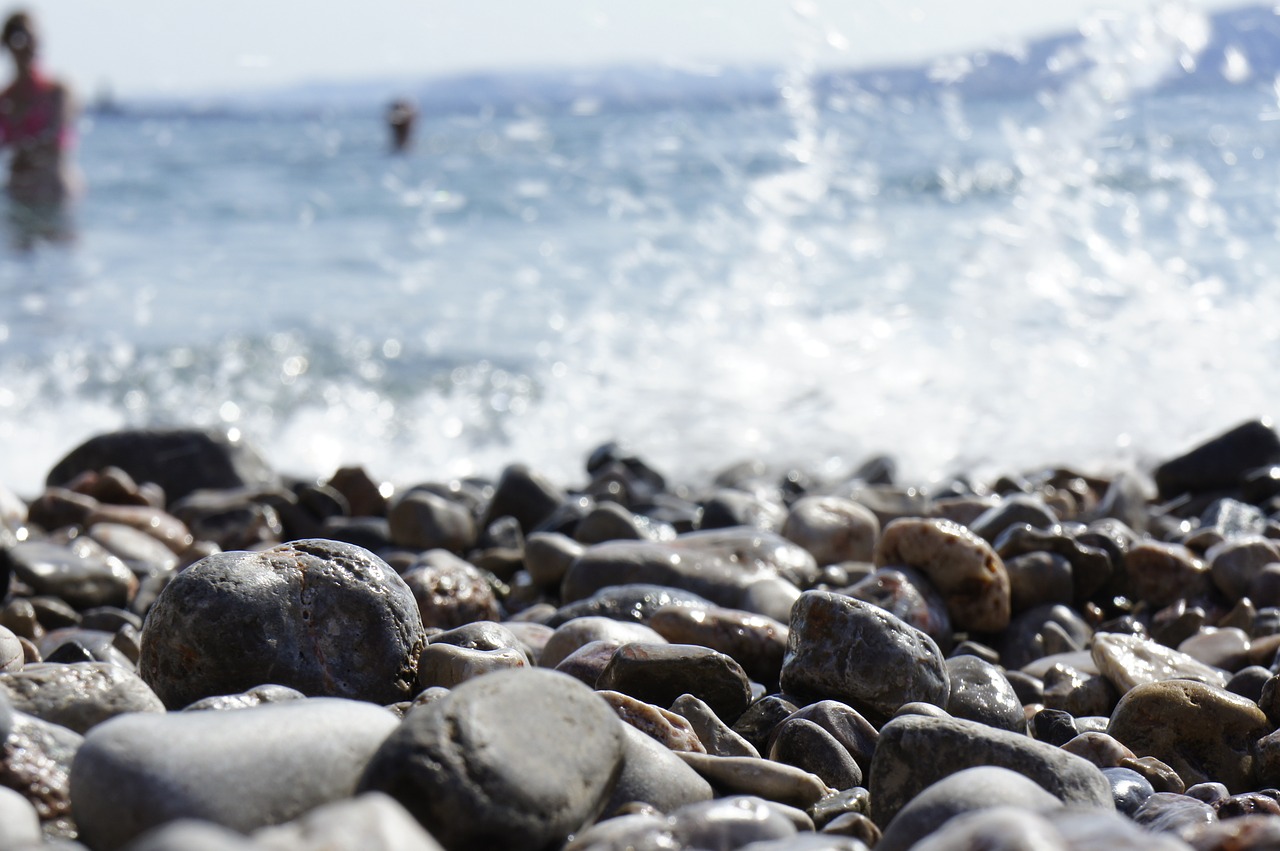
point(81, 572)
point(854, 733)
point(759, 720)
point(859, 654)
point(178, 460)
point(980, 692)
point(1220, 463)
point(323, 617)
point(451, 592)
point(1017, 509)
point(631, 602)
point(1054, 726)
point(729, 507)
point(1167, 812)
point(806, 745)
point(364, 531)
point(660, 673)
point(524, 495)
point(422, 520)
point(1129, 789)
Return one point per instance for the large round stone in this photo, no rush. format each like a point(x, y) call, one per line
point(857, 653)
point(324, 617)
point(516, 759)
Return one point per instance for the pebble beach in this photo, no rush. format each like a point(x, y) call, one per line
point(199, 652)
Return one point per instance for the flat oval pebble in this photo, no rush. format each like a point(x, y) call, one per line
point(320, 616)
point(854, 733)
point(256, 696)
point(859, 654)
point(78, 697)
point(802, 743)
point(773, 781)
point(962, 566)
point(1129, 661)
point(1226, 649)
point(447, 665)
point(754, 641)
point(717, 737)
point(898, 773)
point(1161, 573)
point(636, 601)
point(660, 673)
point(516, 759)
point(653, 775)
point(243, 770)
point(1203, 732)
point(731, 822)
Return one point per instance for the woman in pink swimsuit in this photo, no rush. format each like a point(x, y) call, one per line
point(37, 114)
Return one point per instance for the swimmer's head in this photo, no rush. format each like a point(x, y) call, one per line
point(18, 35)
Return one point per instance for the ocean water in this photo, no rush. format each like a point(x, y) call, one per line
point(1086, 274)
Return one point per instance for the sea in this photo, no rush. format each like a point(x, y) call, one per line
point(1081, 267)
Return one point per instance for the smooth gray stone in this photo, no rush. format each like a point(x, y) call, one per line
point(762, 778)
point(808, 842)
point(981, 692)
point(369, 822)
point(142, 553)
point(192, 835)
point(805, 745)
point(244, 770)
point(860, 654)
point(997, 828)
point(1086, 830)
point(547, 556)
point(653, 775)
point(19, 822)
point(255, 696)
point(515, 759)
point(78, 696)
point(898, 773)
point(324, 617)
point(716, 736)
point(981, 787)
point(12, 656)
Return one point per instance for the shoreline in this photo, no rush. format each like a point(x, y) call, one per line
point(186, 633)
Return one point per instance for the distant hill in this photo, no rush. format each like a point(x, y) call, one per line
point(1243, 49)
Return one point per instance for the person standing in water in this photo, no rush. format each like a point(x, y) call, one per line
point(400, 118)
point(37, 115)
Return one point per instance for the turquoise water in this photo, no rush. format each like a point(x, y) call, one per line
point(1086, 276)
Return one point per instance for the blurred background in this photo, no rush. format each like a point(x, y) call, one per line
point(984, 238)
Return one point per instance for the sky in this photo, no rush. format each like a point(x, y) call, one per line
point(144, 48)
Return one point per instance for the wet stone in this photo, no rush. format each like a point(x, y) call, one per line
point(447, 665)
point(762, 716)
point(1247, 833)
point(854, 733)
point(653, 776)
point(588, 662)
point(1129, 661)
point(805, 745)
point(729, 508)
point(81, 573)
point(232, 519)
point(285, 615)
point(1071, 690)
point(1038, 578)
point(1247, 804)
point(1054, 726)
point(660, 673)
point(256, 696)
point(1201, 731)
point(1249, 682)
point(1221, 462)
point(1129, 789)
point(859, 654)
point(980, 692)
point(73, 644)
point(962, 566)
point(35, 761)
point(547, 556)
point(756, 642)
point(1018, 509)
point(141, 553)
point(1102, 750)
point(517, 759)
